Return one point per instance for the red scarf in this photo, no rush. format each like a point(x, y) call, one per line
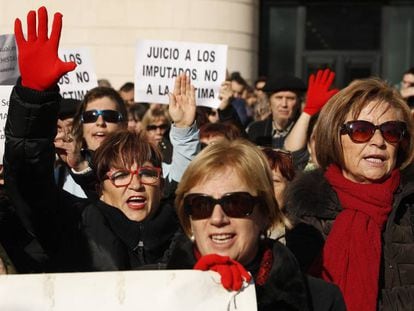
point(352, 252)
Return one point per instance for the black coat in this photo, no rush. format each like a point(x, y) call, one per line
point(314, 205)
point(72, 234)
point(261, 133)
point(286, 287)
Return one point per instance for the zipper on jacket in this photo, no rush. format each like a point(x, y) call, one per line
point(139, 249)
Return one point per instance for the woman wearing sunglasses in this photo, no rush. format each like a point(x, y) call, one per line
point(102, 111)
point(226, 206)
point(356, 211)
point(156, 126)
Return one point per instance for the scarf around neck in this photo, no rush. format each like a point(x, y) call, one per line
point(352, 252)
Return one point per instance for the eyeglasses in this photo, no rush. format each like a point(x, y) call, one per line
point(154, 127)
point(148, 175)
point(234, 204)
point(111, 116)
point(361, 131)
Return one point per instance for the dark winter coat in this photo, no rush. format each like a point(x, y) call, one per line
point(286, 287)
point(261, 133)
point(314, 205)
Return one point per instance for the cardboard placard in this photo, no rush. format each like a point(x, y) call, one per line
point(77, 83)
point(158, 63)
point(128, 290)
point(5, 91)
point(9, 69)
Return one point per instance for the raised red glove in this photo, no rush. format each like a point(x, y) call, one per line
point(232, 272)
point(318, 91)
point(40, 66)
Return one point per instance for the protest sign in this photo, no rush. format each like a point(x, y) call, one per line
point(158, 63)
point(9, 69)
point(5, 91)
point(76, 83)
point(128, 290)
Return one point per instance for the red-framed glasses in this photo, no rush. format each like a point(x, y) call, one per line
point(148, 175)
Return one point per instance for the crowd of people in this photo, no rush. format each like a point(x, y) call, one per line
point(305, 189)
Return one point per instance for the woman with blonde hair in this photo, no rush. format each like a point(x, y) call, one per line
point(226, 206)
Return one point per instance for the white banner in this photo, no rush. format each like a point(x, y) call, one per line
point(5, 91)
point(9, 69)
point(158, 63)
point(121, 291)
point(76, 83)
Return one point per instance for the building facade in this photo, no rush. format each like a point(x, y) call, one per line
point(266, 37)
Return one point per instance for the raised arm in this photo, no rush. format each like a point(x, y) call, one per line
point(318, 94)
point(184, 133)
point(31, 123)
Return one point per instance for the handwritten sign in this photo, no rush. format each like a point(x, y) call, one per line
point(5, 91)
point(9, 69)
point(76, 83)
point(158, 63)
point(129, 290)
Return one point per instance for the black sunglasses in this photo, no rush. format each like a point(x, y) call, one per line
point(234, 204)
point(154, 127)
point(111, 116)
point(362, 131)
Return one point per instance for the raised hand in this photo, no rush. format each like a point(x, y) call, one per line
point(318, 91)
point(182, 106)
point(232, 272)
point(66, 147)
point(40, 66)
point(225, 94)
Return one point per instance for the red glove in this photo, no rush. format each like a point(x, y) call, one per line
point(232, 272)
point(40, 66)
point(318, 91)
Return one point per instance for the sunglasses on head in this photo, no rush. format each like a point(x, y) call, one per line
point(111, 116)
point(154, 127)
point(234, 204)
point(361, 131)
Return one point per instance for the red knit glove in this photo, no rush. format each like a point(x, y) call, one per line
point(318, 91)
point(232, 272)
point(40, 66)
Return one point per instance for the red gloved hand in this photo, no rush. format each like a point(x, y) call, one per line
point(318, 91)
point(40, 66)
point(232, 272)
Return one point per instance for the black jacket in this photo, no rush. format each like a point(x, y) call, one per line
point(286, 287)
point(261, 133)
point(314, 205)
point(73, 234)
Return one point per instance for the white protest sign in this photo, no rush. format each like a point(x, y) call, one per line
point(5, 91)
point(9, 69)
point(76, 83)
point(128, 290)
point(158, 63)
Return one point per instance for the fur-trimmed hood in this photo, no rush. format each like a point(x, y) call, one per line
point(310, 194)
